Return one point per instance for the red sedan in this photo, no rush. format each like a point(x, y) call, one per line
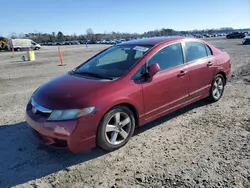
point(103, 100)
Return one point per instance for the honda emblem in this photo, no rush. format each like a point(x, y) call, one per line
point(34, 110)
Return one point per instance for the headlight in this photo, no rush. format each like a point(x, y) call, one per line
point(70, 114)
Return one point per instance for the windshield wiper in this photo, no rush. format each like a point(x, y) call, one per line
point(93, 75)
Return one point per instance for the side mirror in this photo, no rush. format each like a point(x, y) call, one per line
point(152, 70)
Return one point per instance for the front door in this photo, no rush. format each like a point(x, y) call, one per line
point(169, 87)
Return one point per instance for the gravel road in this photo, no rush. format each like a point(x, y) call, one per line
point(202, 145)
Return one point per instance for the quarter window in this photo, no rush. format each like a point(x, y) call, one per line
point(195, 50)
point(168, 57)
point(209, 52)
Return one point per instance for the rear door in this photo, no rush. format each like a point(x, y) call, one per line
point(169, 87)
point(201, 67)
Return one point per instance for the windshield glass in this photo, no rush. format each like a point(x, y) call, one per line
point(113, 62)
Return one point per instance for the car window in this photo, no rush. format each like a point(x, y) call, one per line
point(195, 50)
point(139, 54)
point(139, 73)
point(115, 61)
point(209, 52)
point(168, 57)
point(117, 55)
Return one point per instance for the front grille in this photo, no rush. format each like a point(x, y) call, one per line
point(46, 115)
point(38, 110)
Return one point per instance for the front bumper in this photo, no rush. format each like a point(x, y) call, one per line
point(80, 137)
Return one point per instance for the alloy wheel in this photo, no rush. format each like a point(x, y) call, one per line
point(217, 88)
point(118, 128)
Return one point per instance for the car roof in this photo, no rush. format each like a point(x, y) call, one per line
point(152, 41)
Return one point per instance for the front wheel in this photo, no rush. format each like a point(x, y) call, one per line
point(116, 128)
point(217, 88)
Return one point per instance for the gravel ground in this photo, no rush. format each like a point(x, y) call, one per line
point(202, 145)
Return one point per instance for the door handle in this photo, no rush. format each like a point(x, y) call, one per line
point(209, 64)
point(182, 73)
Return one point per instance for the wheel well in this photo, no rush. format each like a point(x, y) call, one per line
point(224, 76)
point(133, 109)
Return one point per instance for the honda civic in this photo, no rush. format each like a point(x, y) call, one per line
point(103, 100)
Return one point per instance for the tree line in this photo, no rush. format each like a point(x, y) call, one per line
point(90, 35)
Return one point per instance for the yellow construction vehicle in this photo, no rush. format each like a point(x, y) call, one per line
point(4, 45)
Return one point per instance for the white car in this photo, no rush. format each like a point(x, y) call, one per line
point(246, 39)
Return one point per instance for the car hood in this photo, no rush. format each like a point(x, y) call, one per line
point(67, 92)
point(247, 37)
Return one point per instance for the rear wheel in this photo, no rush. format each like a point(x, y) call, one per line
point(116, 128)
point(217, 88)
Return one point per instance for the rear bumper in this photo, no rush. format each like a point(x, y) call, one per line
point(79, 137)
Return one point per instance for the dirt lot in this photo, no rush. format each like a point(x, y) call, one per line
point(203, 145)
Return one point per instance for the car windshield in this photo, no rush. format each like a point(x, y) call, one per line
point(113, 62)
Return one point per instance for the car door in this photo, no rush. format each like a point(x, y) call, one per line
point(201, 68)
point(169, 87)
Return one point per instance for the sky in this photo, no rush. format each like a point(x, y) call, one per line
point(75, 16)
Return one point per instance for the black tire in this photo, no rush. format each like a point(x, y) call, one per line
point(212, 97)
point(102, 137)
point(36, 48)
point(18, 49)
